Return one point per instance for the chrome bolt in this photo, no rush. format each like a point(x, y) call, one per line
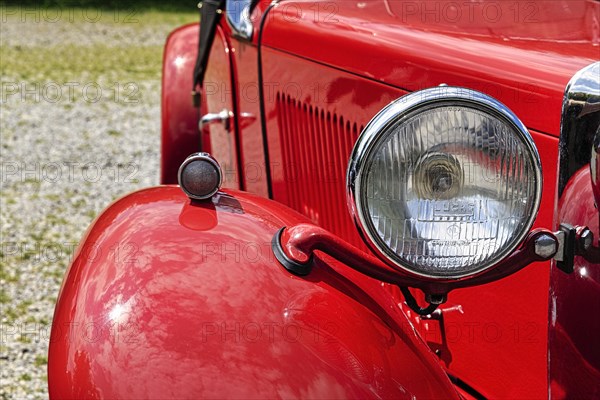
point(545, 246)
point(586, 238)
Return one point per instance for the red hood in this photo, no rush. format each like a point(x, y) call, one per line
point(523, 53)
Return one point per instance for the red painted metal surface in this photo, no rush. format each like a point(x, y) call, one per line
point(218, 95)
point(179, 137)
point(314, 116)
point(243, 91)
point(523, 57)
point(509, 366)
point(364, 55)
point(180, 134)
point(254, 165)
point(169, 299)
point(315, 145)
point(494, 337)
point(574, 354)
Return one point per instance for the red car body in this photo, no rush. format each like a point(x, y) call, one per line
point(166, 299)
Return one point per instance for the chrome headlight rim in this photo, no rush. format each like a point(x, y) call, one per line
point(394, 114)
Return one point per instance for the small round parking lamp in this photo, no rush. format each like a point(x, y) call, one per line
point(200, 176)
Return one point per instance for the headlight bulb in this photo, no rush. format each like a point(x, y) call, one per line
point(437, 176)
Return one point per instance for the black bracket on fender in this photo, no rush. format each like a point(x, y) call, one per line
point(565, 256)
point(294, 267)
point(210, 13)
point(575, 241)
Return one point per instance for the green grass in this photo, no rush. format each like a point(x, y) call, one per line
point(82, 64)
point(4, 297)
point(158, 16)
point(109, 5)
point(130, 16)
point(40, 360)
point(26, 377)
point(97, 63)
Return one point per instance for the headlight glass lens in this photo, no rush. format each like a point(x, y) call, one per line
point(449, 189)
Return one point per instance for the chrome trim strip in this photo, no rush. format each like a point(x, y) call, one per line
point(390, 116)
point(238, 17)
point(579, 122)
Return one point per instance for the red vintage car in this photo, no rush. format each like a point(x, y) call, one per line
point(377, 199)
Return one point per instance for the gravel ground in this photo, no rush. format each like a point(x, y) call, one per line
point(63, 161)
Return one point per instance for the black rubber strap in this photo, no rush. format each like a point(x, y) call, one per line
point(210, 13)
point(291, 265)
point(412, 303)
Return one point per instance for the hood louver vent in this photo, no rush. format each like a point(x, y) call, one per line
point(316, 145)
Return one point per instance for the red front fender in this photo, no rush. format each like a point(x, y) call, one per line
point(180, 136)
point(168, 299)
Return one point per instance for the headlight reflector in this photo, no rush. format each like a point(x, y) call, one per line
point(444, 182)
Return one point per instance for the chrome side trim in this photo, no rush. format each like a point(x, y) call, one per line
point(579, 123)
point(238, 17)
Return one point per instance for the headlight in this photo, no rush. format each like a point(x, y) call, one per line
point(444, 183)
